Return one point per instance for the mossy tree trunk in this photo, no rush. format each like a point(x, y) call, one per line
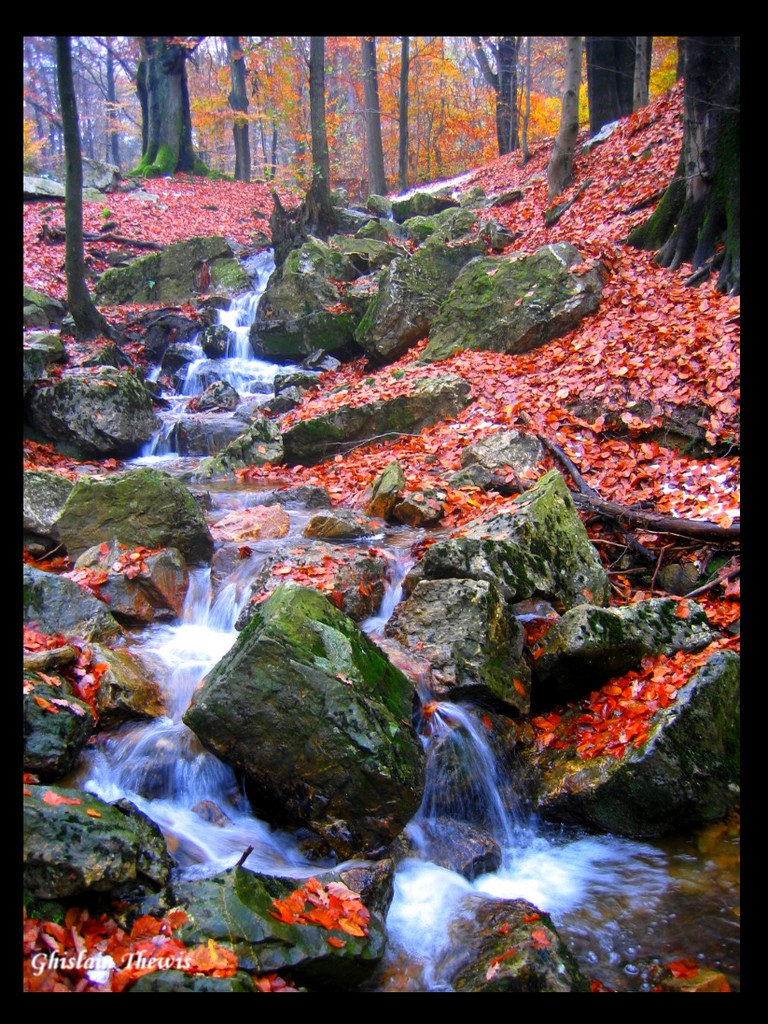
point(698, 218)
point(315, 214)
point(377, 183)
point(161, 82)
point(560, 169)
point(238, 100)
point(402, 162)
point(89, 323)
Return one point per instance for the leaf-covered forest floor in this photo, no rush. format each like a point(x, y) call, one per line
point(653, 340)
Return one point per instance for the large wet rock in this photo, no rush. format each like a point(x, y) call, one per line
point(260, 444)
point(54, 604)
point(56, 727)
point(143, 507)
point(354, 578)
point(251, 914)
point(455, 845)
point(514, 303)
point(181, 272)
point(505, 449)
point(463, 628)
point(68, 851)
point(44, 496)
point(126, 691)
point(430, 400)
point(103, 413)
point(410, 292)
point(507, 946)
point(41, 310)
point(542, 549)
point(685, 774)
point(41, 350)
point(301, 309)
point(318, 721)
point(588, 645)
point(139, 586)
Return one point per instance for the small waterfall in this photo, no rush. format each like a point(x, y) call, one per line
point(162, 767)
point(251, 377)
point(465, 777)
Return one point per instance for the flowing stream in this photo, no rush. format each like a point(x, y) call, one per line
point(620, 905)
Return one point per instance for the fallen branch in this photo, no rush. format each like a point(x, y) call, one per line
point(56, 232)
point(715, 582)
point(655, 523)
point(47, 661)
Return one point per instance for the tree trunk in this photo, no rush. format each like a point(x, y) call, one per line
point(89, 323)
point(560, 169)
point(402, 164)
point(700, 211)
point(315, 214)
point(165, 110)
point(377, 183)
point(503, 81)
point(238, 100)
point(610, 78)
point(527, 114)
point(113, 136)
point(643, 53)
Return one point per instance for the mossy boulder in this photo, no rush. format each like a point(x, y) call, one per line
point(55, 604)
point(260, 444)
point(41, 310)
point(685, 774)
point(410, 293)
point(514, 303)
point(318, 721)
point(127, 691)
point(301, 309)
point(142, 507)
point(237, 909)
point(422, 204)
point(104, 413)
point(505, 449)
point(507, 946)
point(41, 349)
point(430, 400)
point(56, 727)
point(68, 852)
point(588, 645)
point(464, 630)
point(197, 266)
point(541, 549)
point(386, 490)
point(44, 496)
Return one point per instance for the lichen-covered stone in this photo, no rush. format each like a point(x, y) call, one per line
point(236, 909)
point(44, 495)
point(410, 292)
point(514, 303)
point(431, 399)
point(56, 727)
point(105, 413)
point(686, 773)
point(259, 444)
point(55, 604)
point(541, 549)
point(386, 490)
point(318, 720)
point(68, 851)
point(588, 645)
point(507, 946)
point(464, 630)
point(142, 507)
point(175, 275)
